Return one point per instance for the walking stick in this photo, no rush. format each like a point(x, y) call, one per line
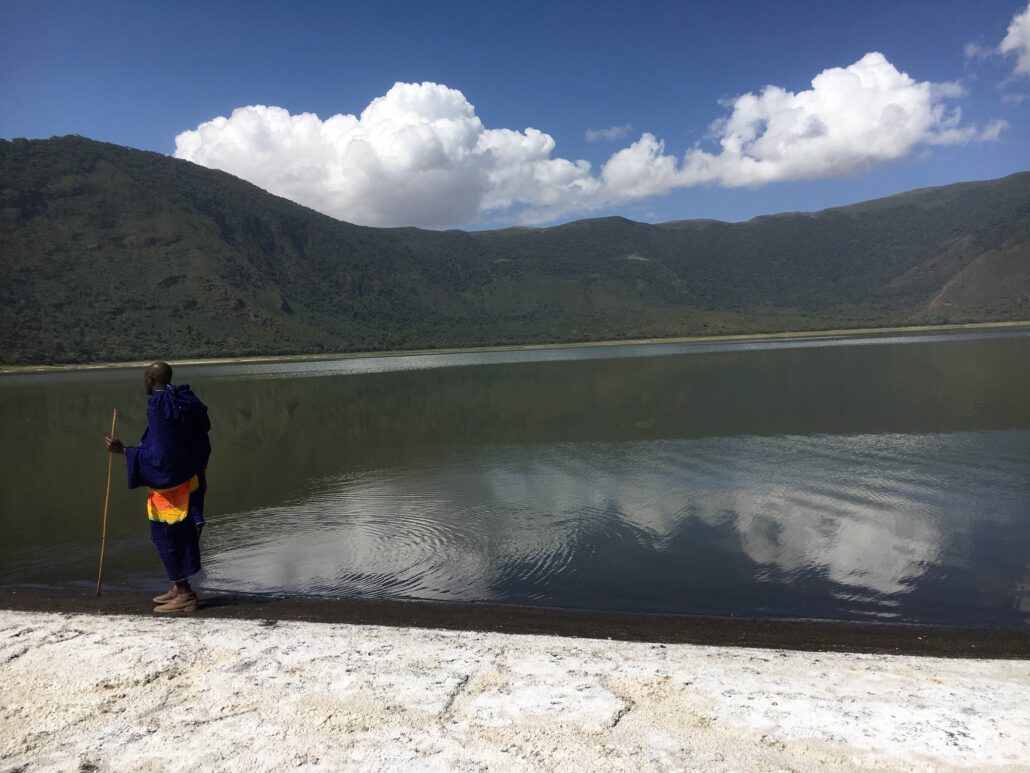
point(107, 498)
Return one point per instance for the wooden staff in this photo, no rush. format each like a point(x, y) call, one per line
point(107, 498)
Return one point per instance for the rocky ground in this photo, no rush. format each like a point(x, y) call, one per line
point(121, 693)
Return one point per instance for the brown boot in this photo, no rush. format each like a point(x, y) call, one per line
point(183, 602)
point(164, 598)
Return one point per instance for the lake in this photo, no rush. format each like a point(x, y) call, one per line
point(882, 478)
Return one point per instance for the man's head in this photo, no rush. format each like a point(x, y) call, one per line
point(156, 376)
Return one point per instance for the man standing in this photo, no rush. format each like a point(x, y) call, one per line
point(170, 461)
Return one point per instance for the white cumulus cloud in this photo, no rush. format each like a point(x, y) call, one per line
point(409, 158)
point(419, 155)
point(1017, 41)
point(852, 119)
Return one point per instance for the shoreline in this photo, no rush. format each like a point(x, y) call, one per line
point(801, 635)
point(325, 357)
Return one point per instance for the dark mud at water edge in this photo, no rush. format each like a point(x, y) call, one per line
point(877, 479)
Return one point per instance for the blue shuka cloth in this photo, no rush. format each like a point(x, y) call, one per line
point(174, 447)
point(179, 547)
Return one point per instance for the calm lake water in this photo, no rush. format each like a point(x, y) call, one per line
point(875, 478)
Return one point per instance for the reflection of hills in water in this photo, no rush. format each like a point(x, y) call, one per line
point(385, 419)
point(795, 526)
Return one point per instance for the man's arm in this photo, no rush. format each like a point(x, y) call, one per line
point(131, 454)
point(132, 459)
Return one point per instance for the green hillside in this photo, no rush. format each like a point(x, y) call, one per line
point(108, 253)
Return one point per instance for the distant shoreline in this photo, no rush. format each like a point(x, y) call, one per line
point(325, 357)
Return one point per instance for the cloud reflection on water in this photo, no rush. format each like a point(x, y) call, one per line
point(787, 498)
point(852, 521)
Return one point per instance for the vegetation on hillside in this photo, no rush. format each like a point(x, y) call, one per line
point(109, 253)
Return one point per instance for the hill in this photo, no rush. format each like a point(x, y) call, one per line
point(109, 253)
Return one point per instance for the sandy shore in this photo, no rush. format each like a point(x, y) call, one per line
point(108, 692)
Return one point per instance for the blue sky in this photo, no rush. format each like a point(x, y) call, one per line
point(143, 73)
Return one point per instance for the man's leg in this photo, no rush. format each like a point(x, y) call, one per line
point(179, 549)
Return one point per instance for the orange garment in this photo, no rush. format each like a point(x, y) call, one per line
point(171, 505)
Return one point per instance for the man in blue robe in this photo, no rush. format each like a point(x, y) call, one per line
point(170, 461)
